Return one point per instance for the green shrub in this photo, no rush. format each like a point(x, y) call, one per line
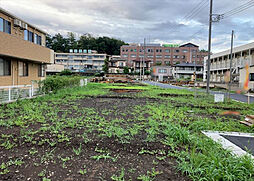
point(65, 72)
point(55, 83)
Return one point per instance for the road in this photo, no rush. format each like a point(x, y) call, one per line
point(236, 97)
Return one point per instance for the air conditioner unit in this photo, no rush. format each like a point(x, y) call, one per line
point(17, 22)
point(24, 26)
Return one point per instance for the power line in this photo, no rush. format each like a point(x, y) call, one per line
point(197, 32)
point(238, 9)
point(198, 10)
point(194, 10)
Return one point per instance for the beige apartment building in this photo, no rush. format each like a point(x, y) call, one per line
point(23, 54)
point(81, 61)
point(116, 64)
point(220, 64)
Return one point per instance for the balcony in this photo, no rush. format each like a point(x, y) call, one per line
point(14, 47)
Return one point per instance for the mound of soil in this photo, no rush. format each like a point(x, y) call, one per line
point(126, 90)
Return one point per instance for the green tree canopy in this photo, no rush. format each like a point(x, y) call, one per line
point(110, 46)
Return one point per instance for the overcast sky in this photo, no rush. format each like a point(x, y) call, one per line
point(160, 21)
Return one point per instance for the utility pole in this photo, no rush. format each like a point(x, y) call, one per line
point(231, 62)
point(209, 46)
point(195, 76)
point(144, 59)
point(140, 72)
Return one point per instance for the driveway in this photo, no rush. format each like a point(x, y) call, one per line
point(237, 97)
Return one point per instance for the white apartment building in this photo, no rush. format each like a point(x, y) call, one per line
point(81, 62)
point(220, 64)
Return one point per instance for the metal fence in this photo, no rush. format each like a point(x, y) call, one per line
point(13, 93)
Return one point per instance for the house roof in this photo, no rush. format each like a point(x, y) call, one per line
point(189, 45)
point(188, 65)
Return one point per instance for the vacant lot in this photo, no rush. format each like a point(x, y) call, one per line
point(119, 132)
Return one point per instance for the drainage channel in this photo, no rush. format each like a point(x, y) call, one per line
point(239, 143)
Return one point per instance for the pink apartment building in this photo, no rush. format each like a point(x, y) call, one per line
point(161, 55)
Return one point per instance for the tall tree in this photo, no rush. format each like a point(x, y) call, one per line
point(110, 46)
point(72, 42)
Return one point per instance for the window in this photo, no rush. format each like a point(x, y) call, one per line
point(41, 70)
point(38, 40)
point(167, 50)
point(123, 50)
point(167, 62)
point(133, 55)
point(26, 35)
point(163, 71)
point(5, 26)
point(167, 56)
point(158, 56)
point(35, 38)
point(23, 69)
point(176, 51)
point(5, 67)
point(131, 50)
point(185, 50)
point(1, 24)
point(29, 36)
point(125, 55)
point(251, 76)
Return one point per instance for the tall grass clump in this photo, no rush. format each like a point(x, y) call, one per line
point(55, 83)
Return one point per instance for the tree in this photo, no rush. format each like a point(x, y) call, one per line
point(71, 40)
point(49, 41)
point(58, 43)
point(126, 70)
point(110, 46)
point(105, 66)
point(65, 72)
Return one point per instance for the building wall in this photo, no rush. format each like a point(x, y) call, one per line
point(18, 48)
point(80, 60)
point(187, 72)
point(162, 71)
point(15, 79)
point(220, 64)
point(18, 32)
point(243, 76)
point(14, 48)
point(159, 54)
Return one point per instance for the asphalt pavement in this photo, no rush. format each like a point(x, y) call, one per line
point(236, 97)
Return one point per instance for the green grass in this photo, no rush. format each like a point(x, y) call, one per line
point(177, 127)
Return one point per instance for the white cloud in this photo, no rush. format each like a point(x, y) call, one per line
point(133, 20)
